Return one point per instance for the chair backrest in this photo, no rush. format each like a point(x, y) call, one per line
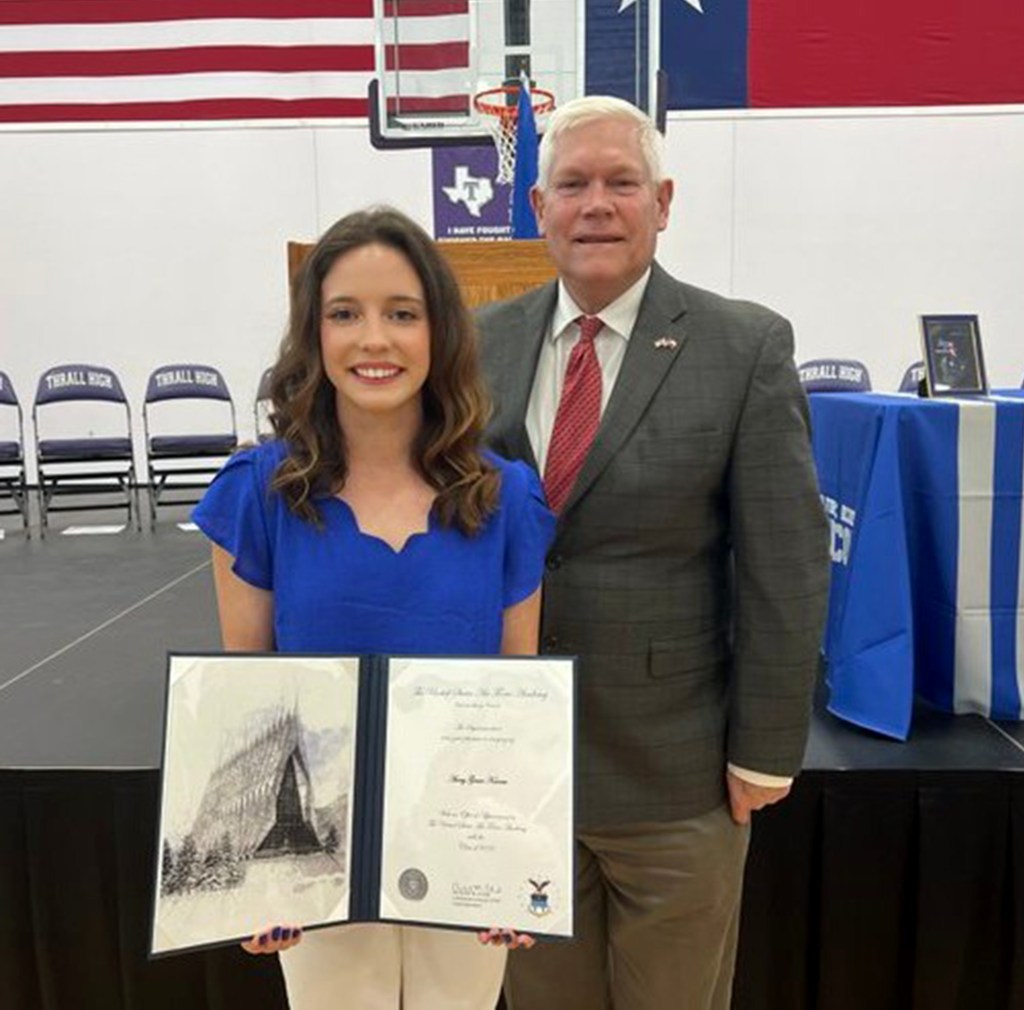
point(11, 450)
point(263, 389)
point(13, 485)
point(79, 382)
point(65, 389)
point(261, 406)
point(177, 389)
point(912, 377)
point(186, 382)
point(79, 468)
point(7, 395)
point(834, 375)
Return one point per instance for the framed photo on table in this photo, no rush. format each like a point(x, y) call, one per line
point(953, 361)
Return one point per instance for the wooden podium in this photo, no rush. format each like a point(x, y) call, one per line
point(486, 271)
point(491, 271)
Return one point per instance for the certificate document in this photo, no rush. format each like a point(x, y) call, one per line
point(478, 793)
point(318, 790)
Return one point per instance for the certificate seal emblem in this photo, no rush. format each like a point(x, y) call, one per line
point(539, 897)
point(412, 884)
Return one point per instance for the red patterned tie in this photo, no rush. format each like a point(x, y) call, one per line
point(579, 413)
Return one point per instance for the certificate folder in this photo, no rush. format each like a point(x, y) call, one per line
point(321, 790)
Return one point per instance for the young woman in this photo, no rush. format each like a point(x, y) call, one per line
point(375, 523)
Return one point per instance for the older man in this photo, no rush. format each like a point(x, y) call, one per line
point(689, 572)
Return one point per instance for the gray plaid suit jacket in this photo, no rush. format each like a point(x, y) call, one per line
point(689, 572)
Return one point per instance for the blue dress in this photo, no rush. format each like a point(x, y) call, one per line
point(339, 590)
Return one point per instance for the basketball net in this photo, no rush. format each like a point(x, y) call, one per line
point(500, 118)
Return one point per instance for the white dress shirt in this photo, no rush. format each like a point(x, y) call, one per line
point(619, 317)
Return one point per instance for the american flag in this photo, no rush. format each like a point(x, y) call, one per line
point(160, 60)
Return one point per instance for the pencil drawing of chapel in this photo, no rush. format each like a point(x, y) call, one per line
point(262, 795)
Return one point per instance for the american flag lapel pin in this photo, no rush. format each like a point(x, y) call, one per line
point(666, 343)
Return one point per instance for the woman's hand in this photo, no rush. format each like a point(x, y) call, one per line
point(507, 937)
point(273, 939)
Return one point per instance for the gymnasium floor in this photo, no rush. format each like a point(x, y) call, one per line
point(87, 623)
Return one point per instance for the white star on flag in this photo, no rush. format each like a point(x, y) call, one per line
point(695, 4)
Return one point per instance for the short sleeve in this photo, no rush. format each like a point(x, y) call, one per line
point(233, 514)
point(529, 530)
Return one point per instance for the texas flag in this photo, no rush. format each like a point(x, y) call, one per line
point(722, 54)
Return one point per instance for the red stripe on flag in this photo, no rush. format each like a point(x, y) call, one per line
point(437, 56)
point(424, 8)
point(197, 109)
point(30, 12)
point(198, 59)
point(805, 53)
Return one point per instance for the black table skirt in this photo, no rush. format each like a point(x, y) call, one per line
point(887, 889)
point(76, 870)
point(865, 891)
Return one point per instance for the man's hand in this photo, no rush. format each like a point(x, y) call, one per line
point(745, 797)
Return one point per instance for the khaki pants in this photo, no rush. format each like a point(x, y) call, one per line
point(386, 967)
point(657, 919)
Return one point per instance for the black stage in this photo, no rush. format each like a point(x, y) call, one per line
point(893, 877)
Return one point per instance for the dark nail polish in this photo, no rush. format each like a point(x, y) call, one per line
point(262, 941)
point(286, 934)
point(276, 932)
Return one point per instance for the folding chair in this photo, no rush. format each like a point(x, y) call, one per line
point(834, 375)
point(261, 408)
point(181, 466)
point(93, 472)
point(13, 485)
point(912, 377)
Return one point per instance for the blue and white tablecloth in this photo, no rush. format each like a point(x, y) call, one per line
point(924, 500)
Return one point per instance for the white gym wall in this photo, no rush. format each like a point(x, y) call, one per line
point(133, 247)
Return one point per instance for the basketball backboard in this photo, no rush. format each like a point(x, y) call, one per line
point(434, 57)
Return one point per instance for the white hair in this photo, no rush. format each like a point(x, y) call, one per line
point(590, 109)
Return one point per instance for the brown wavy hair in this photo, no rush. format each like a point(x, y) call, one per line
point(447, 450)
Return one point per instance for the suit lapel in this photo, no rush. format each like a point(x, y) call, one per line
point(655, 343)
point(520, 364)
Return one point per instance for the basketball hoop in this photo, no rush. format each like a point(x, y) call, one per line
point(500, 120)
